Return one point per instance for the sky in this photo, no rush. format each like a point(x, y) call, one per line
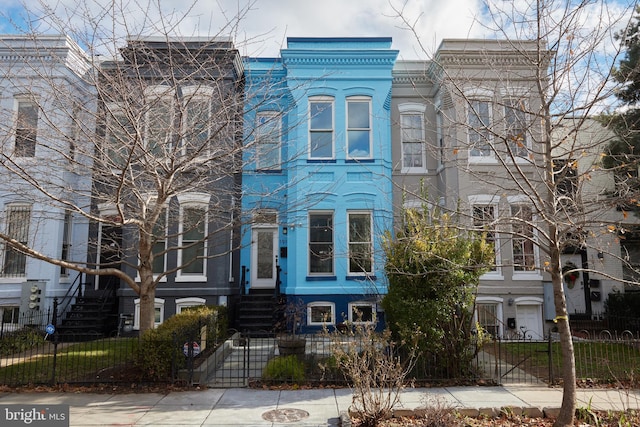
point(265, 24)
point(260, 27)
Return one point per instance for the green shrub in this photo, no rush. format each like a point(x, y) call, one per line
point(20, 340)
point(161, 348)
point(284, 368)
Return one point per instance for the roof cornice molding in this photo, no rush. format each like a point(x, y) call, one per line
point(344, 58)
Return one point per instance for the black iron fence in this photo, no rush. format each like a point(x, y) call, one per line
point(28, 356)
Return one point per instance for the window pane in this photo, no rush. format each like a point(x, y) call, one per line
point(321, 115)
point(191, 253)
point(360, 253)
point(516, 127)
point(268, 141)
point(478, 121)
point(196, 133)
point(321, 243)
point(18, 219)
point(26, 129)
point(358, 129)
point(159, 122)
point(412, 155)
point(362, 313)
point(321, 314)
point(522, 241)
point(322, 144)
point(411, 127)
point(483, 217)
point(265, 255)
point(358, 115)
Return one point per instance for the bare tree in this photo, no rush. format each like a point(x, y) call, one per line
point(513, 113)
point(155, 140)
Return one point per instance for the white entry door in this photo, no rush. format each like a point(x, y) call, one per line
point(529, 321)
point(264, 243)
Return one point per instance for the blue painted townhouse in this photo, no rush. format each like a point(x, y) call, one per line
point(317, 178)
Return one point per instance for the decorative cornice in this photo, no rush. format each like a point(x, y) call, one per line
point(342, 59)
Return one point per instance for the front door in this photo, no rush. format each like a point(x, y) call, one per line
point(529, 320)
point(264, 244)
point(109, 255)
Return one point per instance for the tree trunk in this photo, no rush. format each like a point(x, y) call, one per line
point(568, 407)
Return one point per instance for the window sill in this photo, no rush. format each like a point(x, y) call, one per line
point(526, 276)
point(191, 278)
point(321, 278)
point(482, 160)
point(493, 275)
point(351, 161)
point(321, 160)
point(269, 171)
point(414, 171)
point(361, 277)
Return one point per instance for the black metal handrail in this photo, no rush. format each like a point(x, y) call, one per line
point(67, 299)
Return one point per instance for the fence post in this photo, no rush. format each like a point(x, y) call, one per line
point(550, 352)
point(55, 342)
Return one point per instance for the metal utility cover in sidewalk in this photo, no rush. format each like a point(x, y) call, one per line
point(285, 415)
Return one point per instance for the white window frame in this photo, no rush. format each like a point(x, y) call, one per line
point(440, 139)
point(111, 154)
point(350, 242)
point(182, 303)
point(413, 109)
point(369, 129)
point(154, 96)
point(24, 207)
point(199, 201)
point(481, 200)
point(15, 320)
point(323, 99)
point(499, 303)
point(314, 304)
point(525, 274)
point(484, 136)
point(354, 304)
point(508, 106)
point(196, 94)
point(157, 305)
point(27, 102)
point(333, 243)
point(165, 210)
point(272, 143)
point(65, 242)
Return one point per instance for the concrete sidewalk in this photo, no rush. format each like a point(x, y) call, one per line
point(315, 407)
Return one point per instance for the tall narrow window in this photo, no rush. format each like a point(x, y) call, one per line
point(516, 127)
point(26, 129)
point(483, 217)
point(360, 243)
point(479, 121)
point(359, 128)
point(440, 136)
point(321, 243)
point(193, 232)
point(197, 113)
point(413, 146)
point(17, 227)
point(159, 120)
point(321, 128)
point(522, 239)
point(119, 138)
point(488, 318)
point(268, 141)
point(159, 239)
point(66, 241)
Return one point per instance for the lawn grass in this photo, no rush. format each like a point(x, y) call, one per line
point(80, 362)
point(600, 361)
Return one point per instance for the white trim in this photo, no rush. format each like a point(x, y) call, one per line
point(332, 101)
point(528, 300)
point(369, 101)
point(412, 107)
point(158, 303)
point(182, 303)
point(329, 304)
point(193, 200)
point(369, 213)
point(499, 302)
point(373, 306)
